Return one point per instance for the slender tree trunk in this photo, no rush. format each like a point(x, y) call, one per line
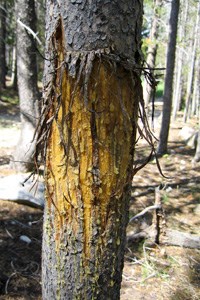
point(14, 69)
point(197, 153)
point(167, 97)
point(179, 64)
point(152, 51)
point(2, 44)
point(195, 94)
point(192, 67)
point(27, 83)
point(91, 94)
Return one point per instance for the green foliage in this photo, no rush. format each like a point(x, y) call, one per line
point(160, 89)
point(165, 198)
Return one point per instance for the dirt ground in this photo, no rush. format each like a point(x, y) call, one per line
point(151, 272)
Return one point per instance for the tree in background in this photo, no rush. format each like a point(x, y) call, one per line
point(3, 13)
point(167, 96)
point(27, 83)
point(186, 88)
point(152, 50)
point(180, 57)
point(193, 59)
point(88, 126)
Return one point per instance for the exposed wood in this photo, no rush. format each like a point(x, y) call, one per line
point(88, 127)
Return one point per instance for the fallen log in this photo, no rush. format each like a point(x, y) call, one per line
point(181, 239)
point(22, 189)
point(171, 238)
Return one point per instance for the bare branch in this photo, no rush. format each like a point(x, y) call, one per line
point(144, 211)
point(30, 31)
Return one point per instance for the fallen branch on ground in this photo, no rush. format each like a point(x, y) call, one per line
point(158, 231)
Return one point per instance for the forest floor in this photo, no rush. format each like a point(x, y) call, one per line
point(151, 272)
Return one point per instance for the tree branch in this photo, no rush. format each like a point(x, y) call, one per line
point(144, 211)
point(30, 31)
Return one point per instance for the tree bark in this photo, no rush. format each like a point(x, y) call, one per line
point(167, 96)
point(3, 44)
point(27, 84)
point(91, 93)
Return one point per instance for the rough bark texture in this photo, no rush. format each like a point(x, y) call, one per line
point(167, 96)
point(91, 92)
point(27, 83)
point(2, 44)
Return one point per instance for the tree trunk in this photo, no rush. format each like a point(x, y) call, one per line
point(195, 93)
point(27, 83)
point(192, 67)
point(179, 63)
point(167, 96)
point(152, 51)
point(2, 44)
point(197, 153)
point(91, 93)
point(14, 69)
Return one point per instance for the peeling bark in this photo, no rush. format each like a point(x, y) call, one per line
point(88, 127)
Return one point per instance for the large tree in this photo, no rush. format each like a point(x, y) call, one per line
point(27, 82)
point(88, 126)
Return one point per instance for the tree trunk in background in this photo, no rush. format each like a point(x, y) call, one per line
point(197, 153)
point(2, 44)
point(179, 63)
point(152, 51)
point(27, 83)
point(167, 96)
point(195, 94)
point(91, 94)
point(14, 69)
point(192, 67)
